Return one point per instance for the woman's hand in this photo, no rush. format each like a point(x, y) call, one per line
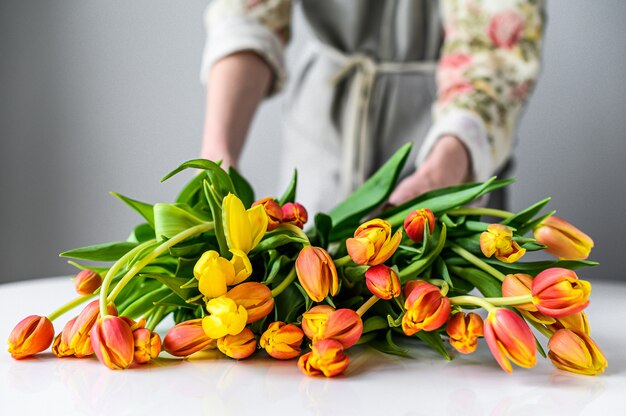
point(448, 164)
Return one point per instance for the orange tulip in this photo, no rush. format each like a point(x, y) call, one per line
point(576, 352)
point(186, 338)
point(563, 239)
point(383, 282)
point(518, 285)
point(509, 338)
point(326, 357)
point(373, 242)
point(317, 273)
point(314, 321)
point(558, 292)
point(343, 325)
point(256, 298)
point(112, 341)
point(464, 331)
point(79, 335)
point(273, 211)
point(238, 346)
point(576, 321)
point(294, 213)
point(61, 345)
point(30, 336)
point(282, 341)
point(498, 240)
point(426, 309)
point(417, 221)
point(86, 282)
point(147, 345)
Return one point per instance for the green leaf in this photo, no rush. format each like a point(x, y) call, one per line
point(243, 190)
point(218, 179)
point(433, 339)
point(142, 233)
point(323, 227)
point(184, 267)
point(488, 285)
point(536, 267)
point(290, 192)
point(145, 210)
point(171, 219)
point(101, 252)
point(192, 191)
point(215, 203)
point(442, 271)
point(532, 224)
point(414, 269)
point(526, 215)
point(146, 302)
point(193, 247)
point(388, 346)
point(450, 223)
point(174, 300)
point(178, 285)
point(277, 240)
point(374, 323)
point(100, 270)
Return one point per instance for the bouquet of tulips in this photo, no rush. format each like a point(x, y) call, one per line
point(239, 274)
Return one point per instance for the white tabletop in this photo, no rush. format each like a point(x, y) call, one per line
point(373, 384)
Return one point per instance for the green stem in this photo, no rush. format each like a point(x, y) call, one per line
point(442, 284)
point(477, 262)
point(285, 283)
point(137, 267)
point(399, 304)
point(70, 305)
point(298, 231)
point(155, 318)
point(368, 304)
point(472, 300)
point(491, 212)
point(342, 261)
point(544, 331)
point(511, 300)
point(113, 271)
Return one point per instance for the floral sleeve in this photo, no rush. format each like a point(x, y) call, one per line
point(489, 63)
point(262, 26)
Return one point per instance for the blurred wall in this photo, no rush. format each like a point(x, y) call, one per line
point(99, 96)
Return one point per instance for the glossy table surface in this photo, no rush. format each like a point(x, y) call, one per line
point(374, 383)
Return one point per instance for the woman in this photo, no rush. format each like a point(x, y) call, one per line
point(366, 84)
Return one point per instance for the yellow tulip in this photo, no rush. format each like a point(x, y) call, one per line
point(225, 318)
point(215, 273)
point(243, 228)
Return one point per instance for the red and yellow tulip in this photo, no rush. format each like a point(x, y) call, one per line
point(80, 334)
point(86, 282)
point(326, 357)
point(426, 309)
point(282, 341)
point(373, 242)
point(30, 336)
point(464, 331)
point(558, 292)
point(317, 273)
point(563, 239)
point(255, 297)
point(509, 339)
point(314, 321)
point(239, 346)
point(417, 221)
point(112, 341)
point(383, 282)
point(186, 338)
point(61, 345)
point(147, 345)
point(577, 321)
point(498, 241)
point(294, 213)
point(519, 285)
point(576, 352)
point(273, 211)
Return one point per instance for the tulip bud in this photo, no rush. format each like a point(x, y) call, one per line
point(383, 282)
point(558, 292)
point(61, 345)
point(326, 357)
point(417, 221)
point(412, 284)
point(282, 341)
point(518, 285)
point(373, 242)
point(87, 281)
point(317, 273)
point(213, 272)
point(294, 213)
point(464, 331)
point(147, 345)
point(226, 318)
point(563, 239)
point(426, 309)
point(256, 298)
point(509, 338)
point(238, 346)
point(498, 240)
point(186, 338)
point(576, 352)
point(345, 326)
point(273, 211)
point(79, 335)
point(314, 321)
point(576, 321)
point(30, 336)
point(112, 341)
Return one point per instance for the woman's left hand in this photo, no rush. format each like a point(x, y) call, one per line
point(448, 164)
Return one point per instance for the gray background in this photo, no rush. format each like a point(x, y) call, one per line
point(104, 96)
